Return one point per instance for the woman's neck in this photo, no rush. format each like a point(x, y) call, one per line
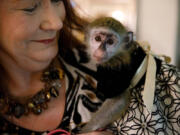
point(23, 84)
point(19, 82)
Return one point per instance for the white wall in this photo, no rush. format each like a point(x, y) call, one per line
point(157, 24)
point(125, 10)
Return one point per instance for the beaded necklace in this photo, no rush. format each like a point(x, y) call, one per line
point(37, 103)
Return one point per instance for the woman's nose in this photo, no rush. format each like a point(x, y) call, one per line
point(51, 19)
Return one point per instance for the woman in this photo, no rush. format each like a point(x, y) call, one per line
point(43, 89)
point(32, 99)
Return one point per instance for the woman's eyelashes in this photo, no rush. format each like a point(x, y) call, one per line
point(32, 9)
point(56, 1)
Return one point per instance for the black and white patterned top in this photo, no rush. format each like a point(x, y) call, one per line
point(81, 103)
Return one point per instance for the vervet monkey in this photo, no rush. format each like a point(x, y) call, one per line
point(117, 57)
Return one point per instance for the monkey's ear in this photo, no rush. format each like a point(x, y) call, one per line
point(129, 37)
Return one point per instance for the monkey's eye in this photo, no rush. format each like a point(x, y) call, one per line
point(110, 41)
point(98, 38)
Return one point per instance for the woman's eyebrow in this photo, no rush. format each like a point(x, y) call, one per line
point(19, 2)
point(22, 0)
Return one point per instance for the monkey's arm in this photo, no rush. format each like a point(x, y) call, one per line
point(111, 110)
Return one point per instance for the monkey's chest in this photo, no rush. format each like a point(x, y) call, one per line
point(112, 82)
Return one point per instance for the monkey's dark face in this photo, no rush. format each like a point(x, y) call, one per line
point(103, 44)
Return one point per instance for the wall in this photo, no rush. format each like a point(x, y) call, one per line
point(125, 10)
point(178, 39)
point(157, 24)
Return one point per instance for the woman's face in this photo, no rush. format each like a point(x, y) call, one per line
point(29, 31)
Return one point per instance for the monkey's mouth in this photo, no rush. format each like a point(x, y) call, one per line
point(100, 60)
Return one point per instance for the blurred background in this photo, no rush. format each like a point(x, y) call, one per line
point(154, 21)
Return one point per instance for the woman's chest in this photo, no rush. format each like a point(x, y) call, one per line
point(49, 119)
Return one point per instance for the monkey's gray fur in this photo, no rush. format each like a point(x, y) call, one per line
point(115, 73)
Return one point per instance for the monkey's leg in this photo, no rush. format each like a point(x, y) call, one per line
point(111, 110)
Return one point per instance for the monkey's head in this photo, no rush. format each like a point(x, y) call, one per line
point(106, 37)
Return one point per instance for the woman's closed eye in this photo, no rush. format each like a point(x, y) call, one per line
point(30, 9)
point(33, 8)
point(56, 1)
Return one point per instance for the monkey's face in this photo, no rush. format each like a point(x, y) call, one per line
point(103, 43)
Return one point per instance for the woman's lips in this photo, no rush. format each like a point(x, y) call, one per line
point(45, 41)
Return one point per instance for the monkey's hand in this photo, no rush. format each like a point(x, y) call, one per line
point(111, 110)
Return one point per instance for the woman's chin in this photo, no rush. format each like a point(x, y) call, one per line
point(45, 55)
point(39, 61)
point(36, 66)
